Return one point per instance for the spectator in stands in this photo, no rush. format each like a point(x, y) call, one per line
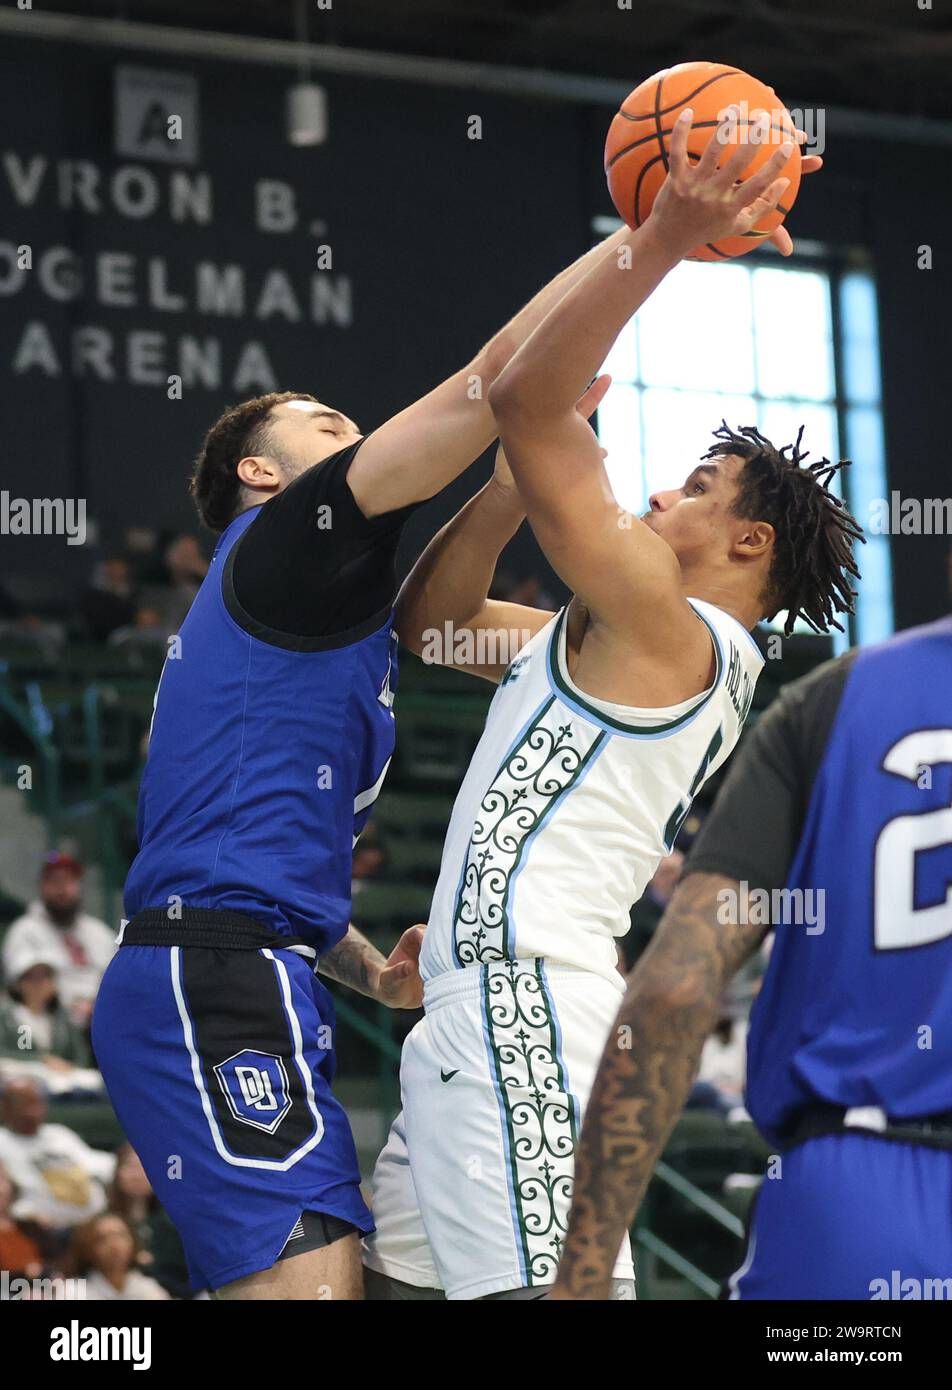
point(719, 1084)
point(103, 1253)
point(160, 1251)
point(528, 590)
point(23, 625)
point(20, 1255)
point(55, 928)
point(186, 567)
point(141, 545)
point(61, 1180)
point(109, 601)
point(147, 629)
point(43, 634)
point(34, 1027)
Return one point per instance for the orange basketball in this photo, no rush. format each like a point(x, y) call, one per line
point(636, 150)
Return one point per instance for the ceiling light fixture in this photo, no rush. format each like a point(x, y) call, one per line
point(306, 100)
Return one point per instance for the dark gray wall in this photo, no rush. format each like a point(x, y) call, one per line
point(440, 237)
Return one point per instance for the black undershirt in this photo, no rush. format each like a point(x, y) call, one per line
point(311, 563)
point(754, 826)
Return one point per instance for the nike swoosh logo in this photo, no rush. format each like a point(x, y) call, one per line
point(448, 1075)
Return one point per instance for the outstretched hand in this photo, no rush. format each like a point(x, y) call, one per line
point(703, 202)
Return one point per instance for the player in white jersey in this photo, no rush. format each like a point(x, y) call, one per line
point(609, 717)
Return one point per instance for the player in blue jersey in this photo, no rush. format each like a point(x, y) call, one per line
point(843, 792)
point(272, 733)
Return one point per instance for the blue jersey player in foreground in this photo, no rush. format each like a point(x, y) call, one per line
point(844, 790)
point(272, 733)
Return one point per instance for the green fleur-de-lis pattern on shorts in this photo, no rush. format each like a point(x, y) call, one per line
point(539, 1119)
point(540, 769)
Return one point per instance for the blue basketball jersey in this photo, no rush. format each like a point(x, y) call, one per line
point(855, 1007)
point(266, 754)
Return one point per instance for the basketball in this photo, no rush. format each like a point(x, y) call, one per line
point(636, 149)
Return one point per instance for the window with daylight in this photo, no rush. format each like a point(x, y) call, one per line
point(777, 344)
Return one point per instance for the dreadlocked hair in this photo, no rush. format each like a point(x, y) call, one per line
point(814, 531)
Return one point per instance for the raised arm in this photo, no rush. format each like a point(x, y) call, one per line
point(627, 576)
point(416, 453)
point(443, 612)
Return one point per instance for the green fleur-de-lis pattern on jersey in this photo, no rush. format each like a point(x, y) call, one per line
point(548, 758)
point(538, 1114)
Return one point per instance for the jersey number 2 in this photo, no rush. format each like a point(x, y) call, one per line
point(897, 922)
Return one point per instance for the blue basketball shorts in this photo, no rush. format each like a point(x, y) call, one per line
point(852, 1216)
point(219, 1066)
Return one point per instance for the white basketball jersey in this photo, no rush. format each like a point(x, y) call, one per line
point(569, 804)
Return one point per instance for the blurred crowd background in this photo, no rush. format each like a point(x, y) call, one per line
point(447, 161)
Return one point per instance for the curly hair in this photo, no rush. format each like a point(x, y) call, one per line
point(241, 431)
point(812, 562)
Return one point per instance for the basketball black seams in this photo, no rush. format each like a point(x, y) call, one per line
point(685, 101)
point(659, 129)
point(649, 164)
point(695, 125)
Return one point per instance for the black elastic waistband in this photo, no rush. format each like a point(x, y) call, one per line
point(934, 1131)
point(208, 927)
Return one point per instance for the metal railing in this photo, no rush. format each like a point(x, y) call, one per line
point(33, 721)
point(646, 1242)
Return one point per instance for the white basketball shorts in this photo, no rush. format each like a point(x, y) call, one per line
point(472, 1191)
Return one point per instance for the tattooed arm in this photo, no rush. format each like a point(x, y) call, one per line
point(670, 1007)
point(393, 980)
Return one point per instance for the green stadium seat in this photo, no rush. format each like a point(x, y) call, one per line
point(422, 678)
point(21, 659)
point(88, 661)
point(705, 1148)
point(390, 906)
point(436, 737)
point(94, 1121)
point(412, 828)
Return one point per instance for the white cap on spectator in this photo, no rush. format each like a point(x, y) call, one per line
point(25, 959)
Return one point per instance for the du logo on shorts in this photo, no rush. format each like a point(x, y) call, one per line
point(255, 1086)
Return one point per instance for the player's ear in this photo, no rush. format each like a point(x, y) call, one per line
point(258, 471)
point(754, 540)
